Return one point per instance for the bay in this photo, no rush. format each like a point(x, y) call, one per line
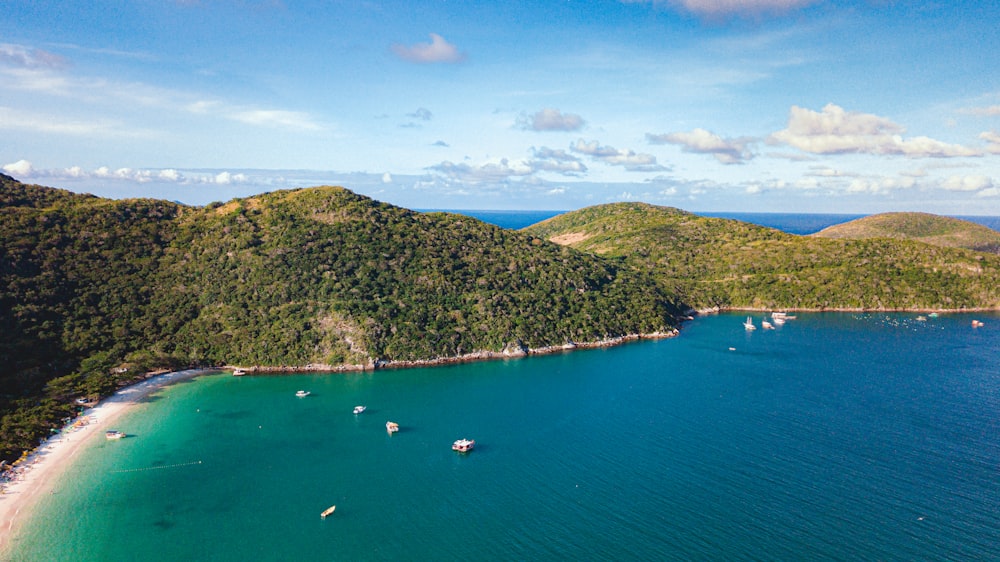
point(837, 436)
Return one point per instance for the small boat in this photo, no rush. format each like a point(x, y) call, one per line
point(303, 393)
point(360, 409)
point(932, 315)
point(778, 320)
point(782, 315)
point(463, 445)
point(921, 318)
point(114, 434)
point(328, 511)
point(766, 325)
point(749, 324)
point(239, 372)
point(977, 324)
point(391, 427)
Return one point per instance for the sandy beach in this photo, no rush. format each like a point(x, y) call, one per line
point(38, 474)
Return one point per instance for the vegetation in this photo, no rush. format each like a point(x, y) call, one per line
point(93, 291)
point(932, 229)
point(723, 263)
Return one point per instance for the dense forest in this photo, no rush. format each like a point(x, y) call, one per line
point(93, 291)
point(724, 263)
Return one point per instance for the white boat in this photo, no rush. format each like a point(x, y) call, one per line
point(766, 325)
point(303, 393)
point(749, 324)
point(114, 434)
point(977, 324)
point(328, 511)
point(782, 315)
point(239, 372)
point(391, 427)
point(463, 445)
point(778, 320)
point(359, 409)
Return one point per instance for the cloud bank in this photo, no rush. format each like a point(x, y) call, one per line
point(834, 130)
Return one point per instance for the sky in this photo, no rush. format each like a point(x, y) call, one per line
point(805, 106)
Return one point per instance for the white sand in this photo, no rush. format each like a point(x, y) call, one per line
point(38, 474)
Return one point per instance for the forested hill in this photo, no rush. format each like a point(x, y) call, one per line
point(311, 276)
point(925, 227)
point(713, 262)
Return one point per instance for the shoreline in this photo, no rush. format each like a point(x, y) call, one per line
point(40, 472)
point(718, 309)
point(512, 352)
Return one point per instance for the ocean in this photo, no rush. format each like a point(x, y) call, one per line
point(834, 437)
point(793, 223)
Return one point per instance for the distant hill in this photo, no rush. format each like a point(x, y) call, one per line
point(712, 262)
point(323, 276)
point(932, 229)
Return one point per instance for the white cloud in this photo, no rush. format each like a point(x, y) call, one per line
point(276, 118)
point(724, 8)
point(558, 161)
point(991, 192)
point(550, 119)
point(497, 171)
point(27, 57)
point(966, 183)
point(993, 139)
point(700, 141)
point(21, 169)
point(438, 50)
point(988, 111)
point(836, 131)
point(630, 160)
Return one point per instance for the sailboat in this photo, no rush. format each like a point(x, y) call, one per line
point(749, 324)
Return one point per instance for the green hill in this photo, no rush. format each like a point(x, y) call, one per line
point(89, 286)
point(932, 229)
point(725, 263)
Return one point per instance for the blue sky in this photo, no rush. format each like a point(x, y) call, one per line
point(728, 105)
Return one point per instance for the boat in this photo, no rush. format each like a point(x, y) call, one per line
point(328, 511)
point(239, 372)
point(766, 325)
point(463, 445)
point(778, 320)
point(303, 393)
point(921, 318)
point(391, 427)
point(114, 434)
point(932, 315)
point(977, 324)
point(782, 315)
point(749, 324)
point(359, 409)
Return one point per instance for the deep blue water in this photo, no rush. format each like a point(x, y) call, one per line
point(834, 437)
point(793, 223)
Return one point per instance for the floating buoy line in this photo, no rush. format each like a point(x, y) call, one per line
point(155, 467)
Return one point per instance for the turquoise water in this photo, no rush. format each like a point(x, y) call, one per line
point(837, 436)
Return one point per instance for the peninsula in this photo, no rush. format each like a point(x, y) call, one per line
point(96, 292)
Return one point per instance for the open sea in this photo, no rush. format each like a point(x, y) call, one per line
point(834, 437)
point(793, 223)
